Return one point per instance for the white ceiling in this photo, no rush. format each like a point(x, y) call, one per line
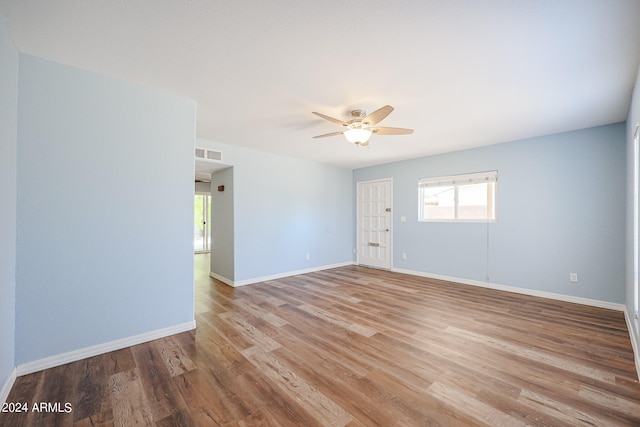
point(462, 73)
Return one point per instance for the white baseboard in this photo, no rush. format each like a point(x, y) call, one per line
point(83, 353)
point(514, 289)
point(6, 387)
point(277, 276)
point(633, 335)
point(221, 278)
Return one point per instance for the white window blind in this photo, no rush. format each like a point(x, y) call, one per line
point(470, 178)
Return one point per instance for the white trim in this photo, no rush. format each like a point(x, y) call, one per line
point(221, 278)
point(83, 353)
point(636, 224)
point(634, 340)
point(277, 276)
point(514, 289)
point(6, 387)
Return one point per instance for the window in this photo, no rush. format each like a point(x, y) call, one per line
point(465, 198)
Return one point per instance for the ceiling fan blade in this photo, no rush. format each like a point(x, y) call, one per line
point(378, 115)
point(328, 134)
point(392, 131)
point(331, 119)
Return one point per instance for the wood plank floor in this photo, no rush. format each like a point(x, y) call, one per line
point(355, 346)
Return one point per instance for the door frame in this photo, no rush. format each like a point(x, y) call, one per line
point(207, 226)
point(358, 185)
point(636, 223)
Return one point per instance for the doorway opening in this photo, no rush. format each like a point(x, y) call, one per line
point(202, 220)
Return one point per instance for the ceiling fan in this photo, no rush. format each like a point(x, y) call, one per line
point(360, 128)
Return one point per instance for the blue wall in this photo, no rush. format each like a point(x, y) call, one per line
point(560, 209)
point(285, 208)
point(8, 174)
point(104, 210)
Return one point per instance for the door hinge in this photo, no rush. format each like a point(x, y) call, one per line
point(388, 210)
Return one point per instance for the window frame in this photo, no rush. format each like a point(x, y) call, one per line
point(456, 181)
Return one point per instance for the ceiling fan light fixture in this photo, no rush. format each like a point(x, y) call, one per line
point(357, 136)
point(359, 129)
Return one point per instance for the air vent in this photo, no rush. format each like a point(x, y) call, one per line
point(208, 155)
point(214, 155)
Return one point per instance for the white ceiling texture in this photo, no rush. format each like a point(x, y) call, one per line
point(462, 73)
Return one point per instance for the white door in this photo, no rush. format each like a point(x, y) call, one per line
point(202, 230)
point(374, 223)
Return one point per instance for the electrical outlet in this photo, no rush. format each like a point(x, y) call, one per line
point(404, 255)
point(403, 219)
point(308, 257)
point(573, 277)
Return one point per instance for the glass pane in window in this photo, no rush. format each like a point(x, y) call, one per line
point(439, 203)
point(474, 201)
